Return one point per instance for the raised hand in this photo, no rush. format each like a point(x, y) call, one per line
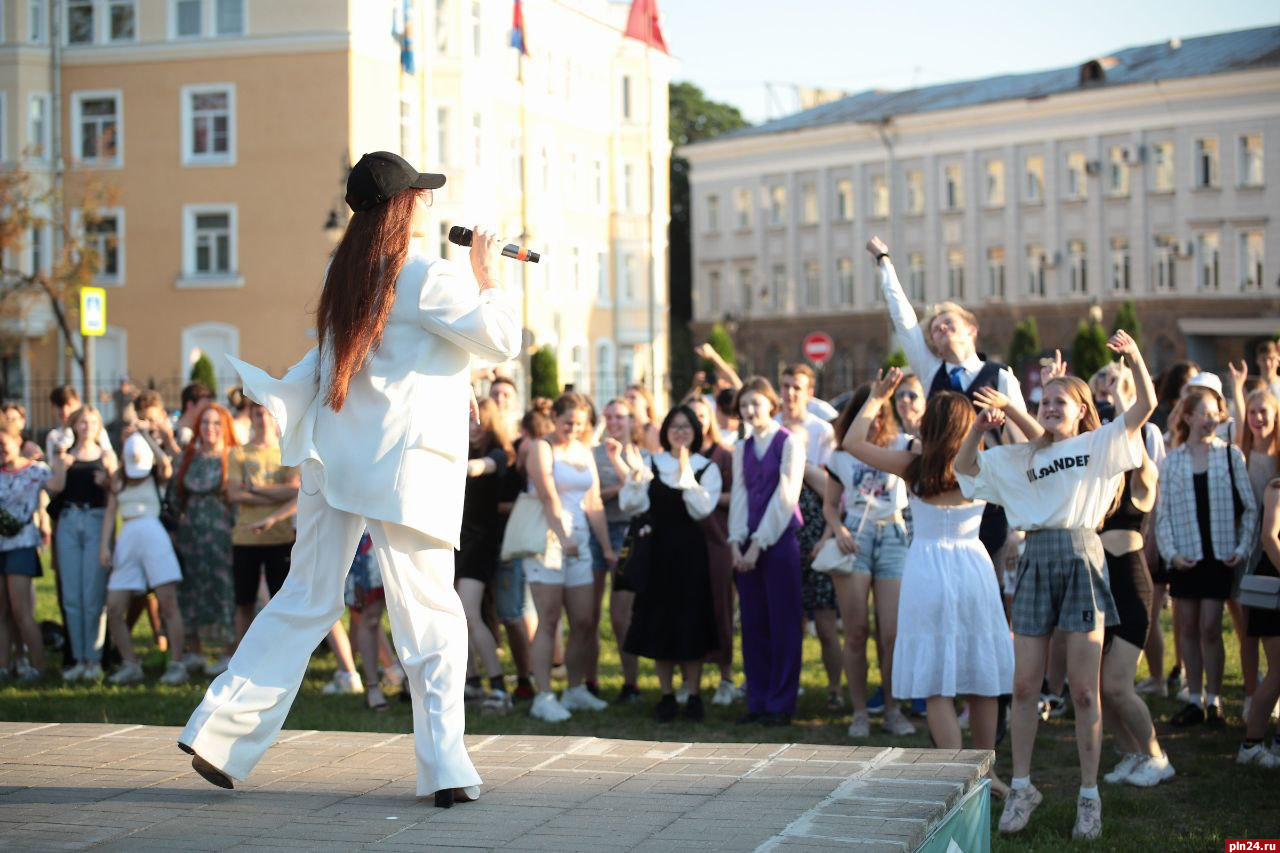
point(484, 245)
point(883, 387)
point(1122, 343)
point(876, 246)
point(631, 456)
point(1239, 376)
point(989, 419)
point(1054, 370)
point(990, 398)
point(612, 449)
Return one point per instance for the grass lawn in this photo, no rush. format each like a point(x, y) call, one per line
point(1210, 799)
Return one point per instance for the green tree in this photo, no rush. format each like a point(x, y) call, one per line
point(545, 374)
point(1025, 344)
point(203, 371)
point(897, 358)
point(1089, 351)
point(722, 343)
point(1127, 319)
point(692, 117)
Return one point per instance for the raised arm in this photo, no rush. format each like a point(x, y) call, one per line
point(1237, 399)
point(483, 322)
point(1028, 427)
point(967, 457)
point(855, 440)
point(1138, 413)
point(923, 362)
point(723, 369)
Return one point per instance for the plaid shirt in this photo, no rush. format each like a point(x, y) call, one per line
point(1177, 524)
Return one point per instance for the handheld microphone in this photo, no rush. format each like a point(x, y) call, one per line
point(460, 236)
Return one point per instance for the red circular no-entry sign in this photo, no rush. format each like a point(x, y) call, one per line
point(818, 347)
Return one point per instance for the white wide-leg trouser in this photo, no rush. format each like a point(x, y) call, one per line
point(245, 707)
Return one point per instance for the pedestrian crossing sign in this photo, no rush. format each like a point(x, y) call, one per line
point(93, 311)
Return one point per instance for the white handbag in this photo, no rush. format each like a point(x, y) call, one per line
point(527, 531)
point(831, 560)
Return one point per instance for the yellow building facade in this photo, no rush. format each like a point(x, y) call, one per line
point(225, 129)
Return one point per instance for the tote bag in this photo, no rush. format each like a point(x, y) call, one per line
point(527, 531)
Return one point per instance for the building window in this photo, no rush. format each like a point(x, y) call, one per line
point(1208, 260)
point(777, 206)
point(995, 273)
point(602, 278)
point(744, 291)
point(995, 183)
point(1250, 263)
point(606, 381)
point(628, 177)
point(1206, 164)
point(1164, 265)
point(713, 294)
point(97, 128)
point(200, 18)
point(626, 278)
point(80, 21)
point(38, 250)
point(121, 20)
point(1120, 265)
point(812, 284)
point(477, 141)
point(844, 200)
point(626, 96)
point(477, 29)
point(742, 209)
point(808, 204)
point(844, 282)
point(1117, 171)
point(228, 17)
point(1033, 179)
point(38, 126)
point(1162, 167)
point(104, 235)
point(952, 187)
point(1078, 263)
point(915, 192)
point(778, 287)
point(1035, 270)
point(1077, 170)
point(443, 152)
point(1251, 160)
point(208, 124)
point(955, 274)
point(879, 197)
point(597, 179)
point(713, 214)
point(209, 238)
point(442, 26)
point(915, 277)
point(37, 21)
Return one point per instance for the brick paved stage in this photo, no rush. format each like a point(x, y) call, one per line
point(117, 787)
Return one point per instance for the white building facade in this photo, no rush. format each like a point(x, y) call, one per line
point(1152, 175)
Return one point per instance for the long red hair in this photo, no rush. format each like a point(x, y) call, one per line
point(360, 288)
point(196, 444)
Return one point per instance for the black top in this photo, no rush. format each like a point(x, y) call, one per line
point(81, 487)
point(987, 377)
point(480, 501)
point(1200, 482)
point(1126, 516)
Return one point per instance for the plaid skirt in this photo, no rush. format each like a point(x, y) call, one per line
point(1062, 583)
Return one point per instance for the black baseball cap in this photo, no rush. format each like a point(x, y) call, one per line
point(380, 175)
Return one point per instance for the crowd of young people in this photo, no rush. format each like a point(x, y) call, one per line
point(1008, 555)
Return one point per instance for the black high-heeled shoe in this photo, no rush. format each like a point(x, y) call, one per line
point(207, 771)
point(446, 797)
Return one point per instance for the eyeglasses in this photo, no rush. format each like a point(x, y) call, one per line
point(673, 427)
point(907, 395)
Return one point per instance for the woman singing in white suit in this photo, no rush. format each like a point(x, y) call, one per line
point(376, 417)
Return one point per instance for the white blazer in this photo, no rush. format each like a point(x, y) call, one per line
point(397, 451)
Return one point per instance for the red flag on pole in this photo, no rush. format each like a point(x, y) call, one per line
point(642, 24)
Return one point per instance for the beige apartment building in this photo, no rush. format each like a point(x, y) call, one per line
point(1150, 175)
point(226, 129)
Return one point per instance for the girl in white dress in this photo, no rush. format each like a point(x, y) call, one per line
point(952, 636)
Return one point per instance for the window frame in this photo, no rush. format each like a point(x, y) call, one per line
point(1117, 167)
point(1121, 265)
point(1164, 166)
point(191, 278)
point(77, 117)
point(997, 274)
point(1078, 267)
point(878, 186)
point(1243, 257)
point(79, 227)
point(712, 218)
point(1201, 241)
point(188, 156)
point(1037, 265)
point(37, 11)
point(914, 180)
point(1076, 167)
point(845, 282)
point(955, 275)
point(1242, 161)
point(995, 196)
point(809, 203)
point(208, 21)
point(743, 209)
point(952, 187)
point(1028, 173)
point(101, 25)
point(46, 99)
point(1209, 178)
point(843, 194)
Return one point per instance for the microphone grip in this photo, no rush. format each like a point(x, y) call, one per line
point(460, 236)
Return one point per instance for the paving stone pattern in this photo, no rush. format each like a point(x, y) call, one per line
point(128, 788)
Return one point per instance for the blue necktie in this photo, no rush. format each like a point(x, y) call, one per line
point(955, 378)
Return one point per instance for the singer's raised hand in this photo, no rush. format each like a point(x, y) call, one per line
point(483, 248)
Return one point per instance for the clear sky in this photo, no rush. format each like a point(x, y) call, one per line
point(732, 48)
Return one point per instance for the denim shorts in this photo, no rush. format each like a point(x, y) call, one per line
point(20, 561)
point(882, 550)
point(617, 532)
point(507, 588)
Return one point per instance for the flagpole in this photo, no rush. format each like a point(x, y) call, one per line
point(653, 261)
point(526, 366)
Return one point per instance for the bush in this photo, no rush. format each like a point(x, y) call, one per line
point(1089, 352)
point(203, 371)
point(545, 374)
point(1025, 344)
point(720, 341)
point(1127, 319)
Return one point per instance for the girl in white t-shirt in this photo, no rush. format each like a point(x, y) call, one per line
point(1058, 488)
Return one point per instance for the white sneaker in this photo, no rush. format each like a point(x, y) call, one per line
point(344, 684)
point(1259, 756)
point(393, 676)
point(1122, 770)
point(1152, 687)
point(74, 673)
point(193, 661)
point(1149, 772)
point(496, 702)
point(682, 694)
point(92, 672)
point(861, 725)
point(175, 673)
point(580, 699)
point(472, 693)
point(548, 709)
point(25, 672)
point(725, 693)
point(1184, 696)
point(218, 666)
point(896, 724)
point(129, 673)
